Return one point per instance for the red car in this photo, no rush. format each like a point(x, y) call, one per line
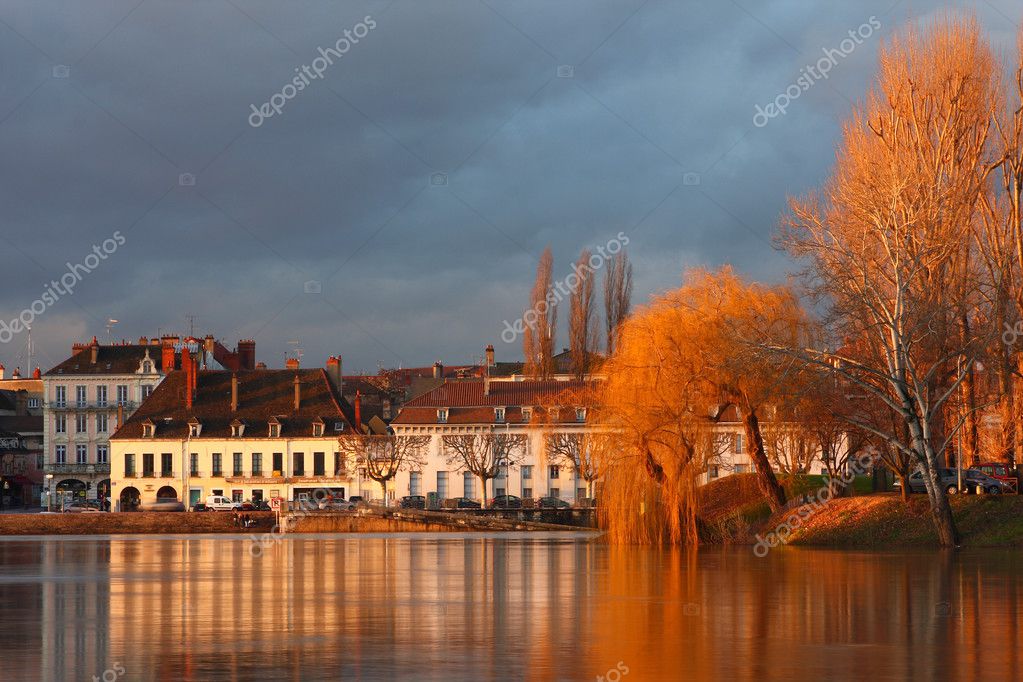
point(999, 470)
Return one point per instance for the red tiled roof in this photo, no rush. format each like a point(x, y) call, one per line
point(120, 359)
point(467, 404)
point(262, 394)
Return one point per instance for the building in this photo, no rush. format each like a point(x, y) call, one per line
point(248, 435)
point(530, 408)
point(93, 391)
point(21, 441)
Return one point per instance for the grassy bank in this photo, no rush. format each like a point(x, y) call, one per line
point(128, 524)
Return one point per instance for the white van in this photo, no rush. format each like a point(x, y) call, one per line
point(221, 503)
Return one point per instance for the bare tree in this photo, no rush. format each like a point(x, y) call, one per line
point(483, 454)
point(582, 331)
point(384, 456)
point(617, 296)
point(541, 321)
point(588, 453)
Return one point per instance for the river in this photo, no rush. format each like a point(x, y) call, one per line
point(498, 607)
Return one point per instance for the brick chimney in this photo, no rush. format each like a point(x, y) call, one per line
point(3, 370)
point(234, 392)
point(438, 370)
point(358, 412)
point(334, 372)
point(167, 358)
point(247, 354)
point(490, 355)
point(94, 351)
point(298, 393)
point(36, 373)
point(291, 363)
point(17, 373)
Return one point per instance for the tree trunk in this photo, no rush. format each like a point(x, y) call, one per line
point(944, 523)
point(383, 486)
point(483, 494)
point(769, 485)
point(904, 481)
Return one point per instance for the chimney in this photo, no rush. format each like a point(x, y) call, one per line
point(490, 355)
point(260, 365)
point(120, 415)
point(234, 392)
point(298, 393)
point(189, 369)
point(358, 412)
point(3, 370)
point(167, 360)
point(36, 374)
point(334, 372)
point(17, 373)
point(438, 370)
point(486, 385)
point(247, 354)
point(291, 363)
point(94, 351)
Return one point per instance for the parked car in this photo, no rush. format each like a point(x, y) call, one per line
point(164, 504)
point(336, 504)
point(530, 503)
point(947, 478)
point(979, 482)
point(221, 503)
point(586, 502)
point(82, 506)
point(460, 503)
point(413, 502)
point(199, 507)
point(973, 481)
point(505, 502)
point(552, 503)
point(999, 470)
point(255, 505)
point(358, 501)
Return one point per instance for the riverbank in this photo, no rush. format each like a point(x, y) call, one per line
point(136, 523)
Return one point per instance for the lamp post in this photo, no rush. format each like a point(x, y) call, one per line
point(49, 492)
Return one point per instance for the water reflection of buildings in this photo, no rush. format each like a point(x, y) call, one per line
point(452, 607)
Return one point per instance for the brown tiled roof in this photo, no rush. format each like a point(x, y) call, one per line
point(119, 359)
point(467, 404)
point(262, 394)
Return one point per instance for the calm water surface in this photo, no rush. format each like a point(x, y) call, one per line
point(509, 607)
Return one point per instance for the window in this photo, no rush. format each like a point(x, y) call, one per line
point(442, 484)
point(237, 462)
point(740, 468)
point(237, 495)
point(81, 425)
point(60, 423)
point(714, 472)
point(278, 464)
point(101, 422)
point(555, 414)
point(415, 483)
point(148, 468)
point(298, 464)
point(60, 396)
point(147, 367)
point(147, 391)
point(275, 430)
point(555, 471)
point(129, 465)
point(499, 414)
point(580, 493)
point(319, 464)
point(737, 443)
point(237, 429)
point(527, 413)
point(317, 429)
point(527, 493)
point(218, 464)
point(442, 416)
point(80, 396)
point(527, 471)
point(580, 414)
point(194, 429)
point(101, 396)
point(148, 429)
point(61, 454)
point(167, 464)
point(102, 454)
point(193, 464)
point(468, 484)
point(33, 403)
point(122, 396)
point(257, 464)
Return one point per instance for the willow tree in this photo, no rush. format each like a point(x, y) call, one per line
point(384, 456)
point(686, 353)
point(883, 239)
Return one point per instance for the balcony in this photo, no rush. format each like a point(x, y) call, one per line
point(148, 474)
point(167, 474)
point(130, 474)
point(64, 468)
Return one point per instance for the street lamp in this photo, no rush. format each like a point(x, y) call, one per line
point(49, 492)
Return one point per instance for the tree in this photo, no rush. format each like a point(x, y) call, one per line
point(883, 240)
point(484, 454)
point(384, 456)
point(589, 453)
point(582, 330)
point(617, 296)
point(538, 340)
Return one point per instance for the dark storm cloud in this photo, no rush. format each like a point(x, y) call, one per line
point(394, 210)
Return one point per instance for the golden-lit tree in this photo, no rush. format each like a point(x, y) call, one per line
point(884, 238)
point(541, 321)
point(483, 454)
point(617, 295)
point(582, 327)
point(384, 456)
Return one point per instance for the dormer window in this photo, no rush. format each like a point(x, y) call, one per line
point(527, 414)
point(237, 428)
point(442, 416)
point(580, 414)
point(498, 414)
point(275, 428)
point(147, 367)
point(339, 427)
point(148, 429)
point(555, 414)
point(194, 428)
point(317, 428)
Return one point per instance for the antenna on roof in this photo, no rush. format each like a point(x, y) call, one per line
point(191, 325)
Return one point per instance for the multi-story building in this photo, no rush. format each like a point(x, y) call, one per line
point(21, 441)
point(91, 393)
point(530, 408)
point(247, 435)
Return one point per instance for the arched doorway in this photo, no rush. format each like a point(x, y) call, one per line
point(130, 499)
point(166, 493)
point(69, 490)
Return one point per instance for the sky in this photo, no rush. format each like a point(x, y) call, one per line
point(392, 210)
